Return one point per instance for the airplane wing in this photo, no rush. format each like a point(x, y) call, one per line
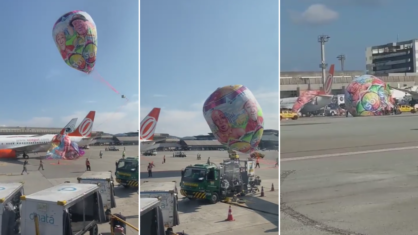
point(414, 94)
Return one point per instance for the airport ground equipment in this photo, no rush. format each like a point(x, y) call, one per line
point(127, 172)
point(152, 222)
point(10, 208)
point(213, 183)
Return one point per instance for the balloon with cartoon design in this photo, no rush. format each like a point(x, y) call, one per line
point(235, 118)
point(75, 36)
point(63, 148)
point(368, 95)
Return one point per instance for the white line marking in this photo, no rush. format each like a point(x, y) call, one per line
point(347, 154)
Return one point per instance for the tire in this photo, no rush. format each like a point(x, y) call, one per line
point(94, 230)
point(214, 198)
point(281, 117)
point(333, 114)
point(295, 118)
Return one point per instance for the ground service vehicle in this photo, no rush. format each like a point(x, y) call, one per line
point(179, 154)
point(104, 180)
point(150, 153)
point(406, 108)
point(166, 192)
point(127, 172)
point(288, 114)
point(10, 208)
point(213, 183)
point(151, 217)
point(233, 154)
point(65, 209)
point(111, 148)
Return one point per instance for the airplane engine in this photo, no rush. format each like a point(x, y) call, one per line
point(7, 153)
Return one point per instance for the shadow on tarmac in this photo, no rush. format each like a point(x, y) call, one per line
point(189, 206)
point(161, 174)
point(271, 210)
point(122, 192)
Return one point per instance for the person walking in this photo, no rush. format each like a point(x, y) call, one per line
point(208, 162)
point(41, 165)
point(88, 168)
point(100, 154)
point(257, 162)
point(277, 162)
point(123, 154)
point(164, 159)
point(149, 170)
point(24, 167)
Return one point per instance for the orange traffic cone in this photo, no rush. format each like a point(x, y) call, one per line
point(272, 187)
point(230, 217)
point(262, 191)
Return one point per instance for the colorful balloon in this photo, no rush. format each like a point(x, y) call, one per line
point(235, 118)
point(63, 148)
point(368, 95)
point(76, 38)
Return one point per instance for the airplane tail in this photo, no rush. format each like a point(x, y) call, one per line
point(148, 125)
point(329, 81)
point(86, 126)
point(69, 127)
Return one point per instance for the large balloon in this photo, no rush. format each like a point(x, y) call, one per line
point(76, 38)
point(235, 118)
point(368, 95)
point(63, 148)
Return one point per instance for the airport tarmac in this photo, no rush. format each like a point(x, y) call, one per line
point(54, 173)
point(202, 218)
point(349, 175)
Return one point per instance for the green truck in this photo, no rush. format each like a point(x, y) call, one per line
point(213, 183)
point(127, 172)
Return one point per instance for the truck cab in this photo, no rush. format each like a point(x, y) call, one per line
point(127, 172)
point(151, 217)
point(10, 208)
point(65, 209)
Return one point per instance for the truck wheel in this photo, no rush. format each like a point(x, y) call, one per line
point(94, 230)
point(214, 198)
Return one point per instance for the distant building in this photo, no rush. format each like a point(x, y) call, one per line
point(395, 57)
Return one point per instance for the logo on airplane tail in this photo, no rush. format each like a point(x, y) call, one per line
point(85, 127)
point(148, 127)
point(329, 80)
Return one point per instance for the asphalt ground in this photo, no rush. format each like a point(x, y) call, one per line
point(202, 218)
point(349, 175)
point(54, 173)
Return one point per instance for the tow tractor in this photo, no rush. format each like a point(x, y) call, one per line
point(127, 172)
point(213, 183)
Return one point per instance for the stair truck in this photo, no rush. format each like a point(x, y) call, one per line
point(213, 183)
point(152, 222)
point(104, 180)
point(127, 172)
point(10, 208)
point(167, 193)
point(64, 209)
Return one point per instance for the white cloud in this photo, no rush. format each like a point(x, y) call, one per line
point(124, 120)
point(316, 14)
point(186, 122)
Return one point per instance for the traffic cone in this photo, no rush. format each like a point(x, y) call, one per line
point(262, 191)
point(272, 187)
point(230, 217)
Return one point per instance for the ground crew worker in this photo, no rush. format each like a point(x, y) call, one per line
point(88, 168)
point(164, 159)
point(41, 165)
point(24, 167)
point(149, 170)
point(257, 162)
point(277, 162)
point(208, 161)
point(123, 154)
point(118, 227)
point(100, 154)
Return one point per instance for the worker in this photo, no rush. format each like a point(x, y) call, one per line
point(164, 159)
point(88, 168)
point(257, 162)
point(24, 167)
point(123, 154)
point(41, 165)
point(118, 227)
point(208, 162)
point(277, 162)
point(149, 170)
point(100, 154)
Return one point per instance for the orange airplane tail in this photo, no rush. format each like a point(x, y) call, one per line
point(148, 124)
point(329, 81)
point(86, 126)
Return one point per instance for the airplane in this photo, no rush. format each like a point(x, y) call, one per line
point(311, 100)
point(17, 145)
point(148, 125)
point(41, 143)
point(400, 93)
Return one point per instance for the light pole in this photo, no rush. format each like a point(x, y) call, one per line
point(323, 39)
point(341, 58)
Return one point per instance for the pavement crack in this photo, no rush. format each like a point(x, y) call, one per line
point(305, 220)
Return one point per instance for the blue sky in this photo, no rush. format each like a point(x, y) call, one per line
point(39, 89)
point(190, 48)
point(352, 25)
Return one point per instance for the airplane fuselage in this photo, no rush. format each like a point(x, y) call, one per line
point(318, 103)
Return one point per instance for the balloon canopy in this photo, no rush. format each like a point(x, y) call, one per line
point(235, 118)
point(368, 95)
point(63, 148)
point(76, 39)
